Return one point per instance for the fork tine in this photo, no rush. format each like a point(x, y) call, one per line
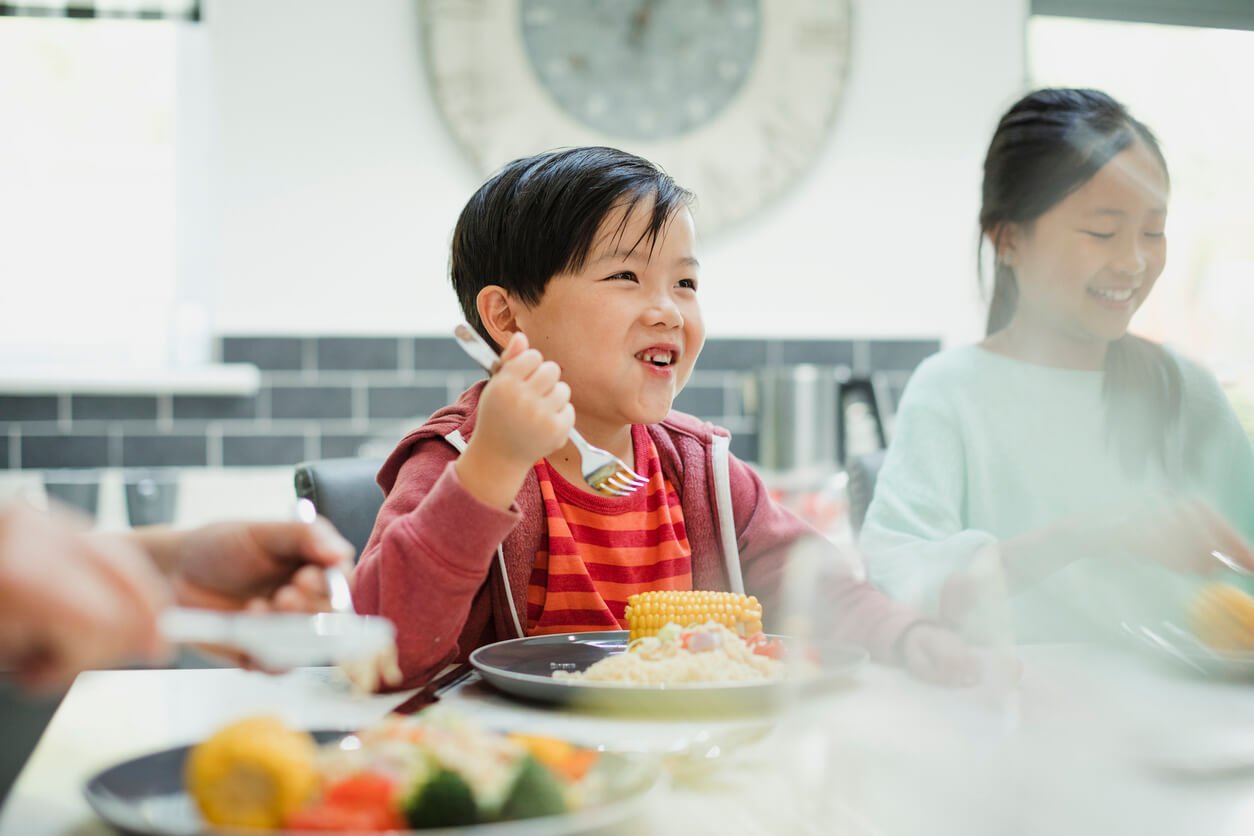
point(606, 487)
point(621, 482)
point(631, 480)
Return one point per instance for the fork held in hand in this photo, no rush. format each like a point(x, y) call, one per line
point(604, 472)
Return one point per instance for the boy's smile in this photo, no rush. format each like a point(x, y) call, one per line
point(626, 328)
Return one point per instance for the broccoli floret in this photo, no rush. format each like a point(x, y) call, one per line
point(536, 792)
point(444, 800)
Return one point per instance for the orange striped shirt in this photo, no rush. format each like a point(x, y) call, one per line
point(603, 549)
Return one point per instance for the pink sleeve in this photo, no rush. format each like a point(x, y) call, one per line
point(427, 561)
point(853, 611)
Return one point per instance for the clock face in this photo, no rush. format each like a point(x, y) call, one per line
point(642, 70)
point(734, 98)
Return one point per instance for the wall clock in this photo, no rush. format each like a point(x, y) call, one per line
point(733, 97)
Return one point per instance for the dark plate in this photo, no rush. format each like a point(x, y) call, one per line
point(146, 796)
point(524, 668)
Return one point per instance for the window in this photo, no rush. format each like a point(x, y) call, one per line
point(88, 198)
point(1186, 83)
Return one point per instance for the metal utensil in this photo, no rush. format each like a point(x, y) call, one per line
point(338, 588)
point(1231, 563)
point(604, 472)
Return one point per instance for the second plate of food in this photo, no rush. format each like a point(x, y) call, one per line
point(525, 668)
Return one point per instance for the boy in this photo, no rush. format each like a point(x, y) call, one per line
point(581, 264)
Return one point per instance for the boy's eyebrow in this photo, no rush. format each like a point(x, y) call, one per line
point(636, 255)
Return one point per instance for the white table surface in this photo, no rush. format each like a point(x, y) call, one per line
point(1085, 741)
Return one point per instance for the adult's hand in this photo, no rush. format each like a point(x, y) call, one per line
point(70, 601)
point(260, 566)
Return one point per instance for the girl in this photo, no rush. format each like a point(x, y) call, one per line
point(1093, 460)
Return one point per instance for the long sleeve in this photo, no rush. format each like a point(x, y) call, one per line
point(427, 561)
point(1217, 453)
point(790, 565)
point(915, 536)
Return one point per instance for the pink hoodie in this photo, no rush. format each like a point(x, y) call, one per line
point(432, 563)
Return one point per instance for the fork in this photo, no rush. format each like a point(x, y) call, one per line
point(340, 593)
point(604, 472)
point(1231, 563)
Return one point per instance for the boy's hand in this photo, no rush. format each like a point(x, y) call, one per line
point(524, 415)
point(937, 655)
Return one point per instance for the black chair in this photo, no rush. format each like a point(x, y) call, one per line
point(862, 470)
point(345, 492)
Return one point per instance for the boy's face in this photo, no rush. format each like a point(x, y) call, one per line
point(626, 329)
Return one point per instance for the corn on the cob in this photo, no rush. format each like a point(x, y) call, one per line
point(252, 773)
point(1223, 617)
point(648, 612)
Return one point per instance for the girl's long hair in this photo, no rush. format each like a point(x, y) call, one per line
point(1050, 143)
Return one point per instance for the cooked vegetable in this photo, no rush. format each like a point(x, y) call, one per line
point(332, 817)
point(444, 800)
point(1223, 617)
point(536, 792)
point(564, 759)
point(252, 773)
point(649, 612)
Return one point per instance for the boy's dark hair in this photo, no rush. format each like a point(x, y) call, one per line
point(538, 217)
point(1050, 143)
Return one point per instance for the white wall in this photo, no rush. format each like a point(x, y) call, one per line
point(336, 185)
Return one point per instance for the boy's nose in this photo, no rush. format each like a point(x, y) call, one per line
point(664, 311)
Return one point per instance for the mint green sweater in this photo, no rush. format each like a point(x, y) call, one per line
point(986, 447)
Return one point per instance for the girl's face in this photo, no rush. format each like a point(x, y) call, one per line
point(626, 329)
point(1085, 266)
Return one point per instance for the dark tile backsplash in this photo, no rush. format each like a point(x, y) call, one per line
point(113, 407)
point(441, 353)
point(405, 401)
point(254, 450)
point(358, 353)
point(266, 353)
point(28, 408)
point(706, 401)
point(311, 402)
point(45, 451)
point(819, 352)
point(210, 407)
point(732, 355)
point(165, 450)
point(326, 397)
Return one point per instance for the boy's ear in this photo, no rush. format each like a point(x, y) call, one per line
point(496, 311)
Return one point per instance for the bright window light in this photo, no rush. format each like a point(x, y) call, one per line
point(87, 191)
point(1187, 84)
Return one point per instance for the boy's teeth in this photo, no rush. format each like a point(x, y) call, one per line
point(1113, 295)
point(658, 358)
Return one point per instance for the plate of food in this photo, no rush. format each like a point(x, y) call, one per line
point(433, 772)
point(720, 662)
point(1217, 639)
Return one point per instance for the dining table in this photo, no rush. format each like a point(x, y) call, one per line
point(1055, 739)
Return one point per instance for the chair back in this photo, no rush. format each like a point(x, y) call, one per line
point(862, 470)
point(345, 492)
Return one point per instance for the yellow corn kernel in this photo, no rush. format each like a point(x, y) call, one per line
point(649, 612)
point(253, 773)
point(1222, 616)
